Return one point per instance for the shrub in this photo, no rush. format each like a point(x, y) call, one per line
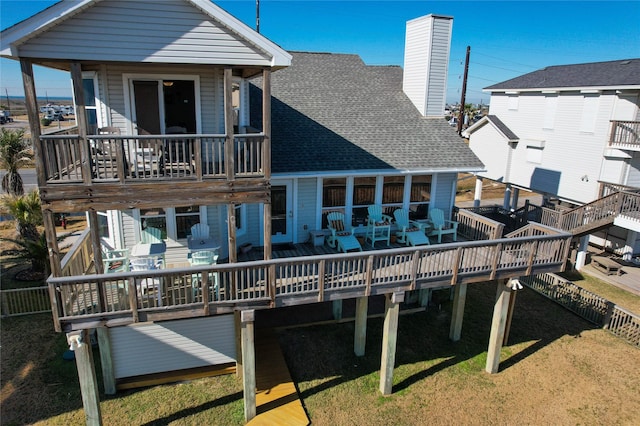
point(45, 121)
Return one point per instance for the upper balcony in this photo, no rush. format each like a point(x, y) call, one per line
point(81, 172)
point(625, 135)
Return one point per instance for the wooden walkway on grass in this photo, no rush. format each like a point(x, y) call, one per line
point(277, 401)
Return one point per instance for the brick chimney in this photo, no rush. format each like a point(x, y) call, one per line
point(426, 63)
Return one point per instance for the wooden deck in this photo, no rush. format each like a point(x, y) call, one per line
point(277, 399)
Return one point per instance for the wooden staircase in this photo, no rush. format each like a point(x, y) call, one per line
point(594, 215)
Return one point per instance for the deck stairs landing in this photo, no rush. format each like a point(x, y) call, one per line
point(619, 208)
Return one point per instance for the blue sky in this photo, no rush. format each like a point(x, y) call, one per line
point(507, 38)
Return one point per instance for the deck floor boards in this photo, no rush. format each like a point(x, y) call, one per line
point(277, 401)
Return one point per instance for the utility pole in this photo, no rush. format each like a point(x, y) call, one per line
point(257, 16)
point(6, 92)
point(464, 91)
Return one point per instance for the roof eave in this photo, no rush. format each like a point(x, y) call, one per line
point(562, 89)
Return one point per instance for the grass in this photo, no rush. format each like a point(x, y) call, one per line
point(556, 369)
point(612, 293)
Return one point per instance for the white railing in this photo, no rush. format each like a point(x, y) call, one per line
point(24, 301)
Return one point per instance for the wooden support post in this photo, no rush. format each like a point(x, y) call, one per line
point(33, 114)
point(231, 231)
point(238, 332)
point(106, 362)
point(459, 298)
point(507, 326)
point(55, 264)
point(266, 122)
point(389, 340)
point(80, 343)
point(266, 236)
point(498, 324)
point(337, 310)
point(81, 120)
point(248, 364)
point(94, 230)
point(360, 334)
point(229, 148)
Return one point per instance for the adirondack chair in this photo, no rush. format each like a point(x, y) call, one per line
point(115, 260)
point(409, 232)
point(151, 235)
point(442, 226)
point(200, 230)
point(340, 236)
point(204, 257)
point(378, 225)
point(105, 154)
point(149, 289)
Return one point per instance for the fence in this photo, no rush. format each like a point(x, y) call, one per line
point(24, 301)
point(589, 306)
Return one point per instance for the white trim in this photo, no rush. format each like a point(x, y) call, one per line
point(375, 172)
point(566, 89)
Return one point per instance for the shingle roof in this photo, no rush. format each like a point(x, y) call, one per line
point(623, 72)
point(331, 112)
point(507, 132)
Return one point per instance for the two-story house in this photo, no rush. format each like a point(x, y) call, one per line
point(569, 132)
point(185, 117)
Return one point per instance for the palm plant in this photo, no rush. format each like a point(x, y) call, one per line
point(26, 212)
point(34, 251)
point(15, 153)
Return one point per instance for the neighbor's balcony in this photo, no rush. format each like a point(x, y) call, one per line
point(625, 135)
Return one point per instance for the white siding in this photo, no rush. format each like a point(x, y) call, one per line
point(306, 209)
point(443, 193)
point(172, 345)
point(426, 62)
point(633, 174)
point(571, 161)
point(492, 149)
point(154, 32)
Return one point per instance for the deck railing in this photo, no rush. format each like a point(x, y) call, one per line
point(598, 213)
point(130, 158)
point(204, 290)
point(625, 135)
point(589, 306)
point(475, 227)
point(79, 258)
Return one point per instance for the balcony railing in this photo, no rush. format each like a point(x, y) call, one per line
point(121, 298)
point(131, 158)
point(625, 135)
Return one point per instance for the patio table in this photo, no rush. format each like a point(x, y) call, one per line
point(196, 244)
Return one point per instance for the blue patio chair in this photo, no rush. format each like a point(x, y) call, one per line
point(340, 236)
point(409, 232)
point(200, 230)
point(115, 260)
point(151, 235)
point(442, 226)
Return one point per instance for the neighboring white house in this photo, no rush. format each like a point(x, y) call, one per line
point(569, 132)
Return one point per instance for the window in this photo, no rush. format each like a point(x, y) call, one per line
point(420, 197)
point(103, 226)
point(392, 194)
point(89, 85)
point(241, 219)
point(550, 108)
point(186, 217)
point(155, 218)
point(364, 194)
point(512, 102)
point(334, 193)
point(589, 113)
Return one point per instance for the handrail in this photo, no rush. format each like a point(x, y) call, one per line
point(474, 226)
point(136, 158)
point(625, 134)
point(204, 290)
point(79, 258)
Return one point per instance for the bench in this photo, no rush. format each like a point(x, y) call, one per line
point(607, 265)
